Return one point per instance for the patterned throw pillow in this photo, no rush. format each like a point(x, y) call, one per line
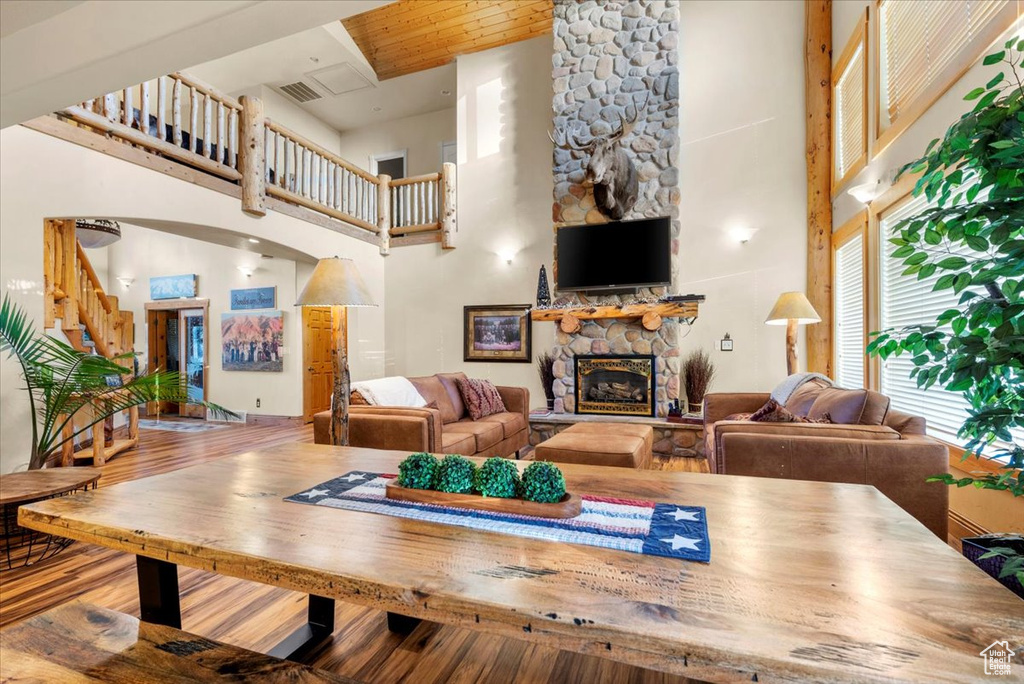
point(774, 412)
point(481, 397)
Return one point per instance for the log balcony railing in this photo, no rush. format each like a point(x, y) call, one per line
point(181, 118)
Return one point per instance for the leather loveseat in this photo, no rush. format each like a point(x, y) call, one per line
point(867, 443)
point(442, 427)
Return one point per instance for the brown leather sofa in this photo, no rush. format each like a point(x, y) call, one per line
point(442, 427)
point(867, 444)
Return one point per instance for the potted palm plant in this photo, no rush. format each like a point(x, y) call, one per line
point(972, 235)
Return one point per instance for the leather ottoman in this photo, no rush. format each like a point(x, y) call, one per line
point(604, 444)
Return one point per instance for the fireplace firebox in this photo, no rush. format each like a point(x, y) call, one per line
point(622, 385)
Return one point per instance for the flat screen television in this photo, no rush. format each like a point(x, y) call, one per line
point(620, 255)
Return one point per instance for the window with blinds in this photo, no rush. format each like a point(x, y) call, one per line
point(925, 45)
point(849, 102)
point(905, 300)
point(849, 313)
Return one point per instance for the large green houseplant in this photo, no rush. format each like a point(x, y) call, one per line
point(972, 236)
point(61, 381)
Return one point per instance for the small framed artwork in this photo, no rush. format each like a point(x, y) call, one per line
point(497, 333)
point(254, 298)
point(172, 287)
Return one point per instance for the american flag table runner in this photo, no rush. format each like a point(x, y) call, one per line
point(656, 529)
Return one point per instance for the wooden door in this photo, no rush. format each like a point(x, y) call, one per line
point(318, 377)
point(193, 359)
point(156, 321)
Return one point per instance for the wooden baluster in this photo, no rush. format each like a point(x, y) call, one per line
point(144, 107)
point(111, 107)
point(330, 184)
point(339, 175)
point(396, 220)
point(269, 152)
point(325, 178)
point(176, 112)
point(193, 119)
point(314, 176)
point(407, 199)
point(286, 174)
point(161, 108)
point(421, 189)
point(129, 107)
point(221, 152)
point(207, 126)
point(89, 105)
point(305, 172)
point(233, 139)
point(49, 273)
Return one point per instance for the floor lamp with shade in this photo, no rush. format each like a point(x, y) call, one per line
point(792, 309)
point(336, 283)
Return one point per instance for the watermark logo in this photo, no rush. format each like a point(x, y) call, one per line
point(997, 658)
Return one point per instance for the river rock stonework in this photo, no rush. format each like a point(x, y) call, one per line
point(610, 57)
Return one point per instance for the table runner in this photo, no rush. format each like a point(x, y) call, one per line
point(645, 527)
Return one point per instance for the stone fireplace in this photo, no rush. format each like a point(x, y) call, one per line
point(608, 56)
point(617, 385)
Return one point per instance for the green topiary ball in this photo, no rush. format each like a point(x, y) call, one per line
point(418, 471)
point(455, 475)
point(543, 482)
point(497, 477)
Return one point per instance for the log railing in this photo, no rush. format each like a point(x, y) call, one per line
point(182, 118)
point(73, 292)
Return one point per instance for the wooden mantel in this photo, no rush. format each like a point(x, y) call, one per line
point(650, 314)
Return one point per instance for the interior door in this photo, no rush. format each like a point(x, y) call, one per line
point(164, 350)
point(318, 378)
point(192, 359)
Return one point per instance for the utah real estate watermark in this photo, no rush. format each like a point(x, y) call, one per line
point(997, 658)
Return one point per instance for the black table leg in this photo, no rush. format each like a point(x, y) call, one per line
point(158, 592)
point(320, 626)
point(402, 624)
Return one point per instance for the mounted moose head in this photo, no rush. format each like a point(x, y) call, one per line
point(610, 170)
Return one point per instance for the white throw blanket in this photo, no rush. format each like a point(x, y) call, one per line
point(786, 388)
point(394, 391)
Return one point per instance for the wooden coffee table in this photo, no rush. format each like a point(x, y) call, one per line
point(808, 581)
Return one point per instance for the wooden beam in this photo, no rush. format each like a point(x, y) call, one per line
point(384, 213)
point(818, 102)
point(254, 161)
point(662, 309)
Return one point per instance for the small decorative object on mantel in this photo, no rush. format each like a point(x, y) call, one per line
point(497, 333)
point(543, 293)
point(545, 368)
point(496, 486)
point(698, 372)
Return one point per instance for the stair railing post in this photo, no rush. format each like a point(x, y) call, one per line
point(384, 213)
point(448, 206)
point(253, 161)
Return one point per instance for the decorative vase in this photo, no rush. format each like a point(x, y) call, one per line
point(543, 293)
point(551, 403)
point(695, 408)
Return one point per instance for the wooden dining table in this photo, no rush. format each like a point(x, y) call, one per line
point(808, 581)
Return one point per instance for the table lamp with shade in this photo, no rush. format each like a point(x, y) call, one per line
point(792, 309)
point(336, 283)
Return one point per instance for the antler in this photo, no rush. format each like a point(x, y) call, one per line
point(626, 123)
point(568, 140)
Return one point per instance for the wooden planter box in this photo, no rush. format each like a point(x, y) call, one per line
point(568, 507)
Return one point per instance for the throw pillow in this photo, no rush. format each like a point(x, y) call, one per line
point(773, 412)
point(357, 399)
point(481, 397)
point(738, 416)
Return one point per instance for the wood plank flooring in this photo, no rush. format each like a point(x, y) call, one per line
point(256, 617)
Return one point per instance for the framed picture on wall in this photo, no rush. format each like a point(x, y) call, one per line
point(172, 287)
point(252, 342)
point(497, 333)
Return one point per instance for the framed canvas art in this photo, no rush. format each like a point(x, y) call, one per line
point(254, 298)
point(497, 333)
point(252, 342)
point(172, 287)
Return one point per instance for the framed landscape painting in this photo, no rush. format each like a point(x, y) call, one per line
point(252, 342)
point(172, 287)
point(497, 333)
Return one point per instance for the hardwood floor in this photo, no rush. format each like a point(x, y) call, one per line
point(256, 616)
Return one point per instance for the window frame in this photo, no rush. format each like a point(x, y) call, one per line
point(858, 39)
point(855, 227)
point(999, 25)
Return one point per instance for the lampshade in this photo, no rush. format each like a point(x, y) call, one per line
point(792, 305)
point(335, 282)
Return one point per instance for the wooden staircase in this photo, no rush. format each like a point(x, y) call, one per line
point(74, 294)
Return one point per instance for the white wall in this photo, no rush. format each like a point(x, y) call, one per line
point(44, 177)
point(144, 253)
point(421, 136)
point(280, 109)
point(504, 203)
point(742, 165)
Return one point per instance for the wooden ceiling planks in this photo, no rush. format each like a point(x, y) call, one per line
point(413, 35)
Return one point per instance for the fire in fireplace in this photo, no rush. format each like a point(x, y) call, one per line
point(621, 385)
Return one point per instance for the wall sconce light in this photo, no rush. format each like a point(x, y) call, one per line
point(126, 281)
point(741, 234)
point(866, 193)
point(507, 256)
point(247, 271)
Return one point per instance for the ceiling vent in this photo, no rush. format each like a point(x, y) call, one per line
point(300, 92)
point(340, 79)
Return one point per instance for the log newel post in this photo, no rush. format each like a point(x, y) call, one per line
point(342, 389)
point(818, 100)
point(253, 162)
point(384, 213)
point(448, 206)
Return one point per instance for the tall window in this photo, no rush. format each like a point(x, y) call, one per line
point(849, 108)
point(905, 300)
point(849, 270)
point(924, 47)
